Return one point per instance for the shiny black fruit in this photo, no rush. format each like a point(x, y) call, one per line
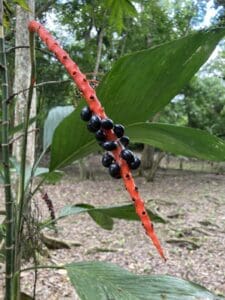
point(94, 123)
point(127, 155)
point(109, 145)
point(125, 140)
point(107, 124)
point(135, 164)
point(85, 113)
point(100, 135)
point(107, 160)
point(119, 130)
point(114, 170)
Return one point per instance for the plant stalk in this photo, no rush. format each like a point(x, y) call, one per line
point(9, 241)
point(22, 197)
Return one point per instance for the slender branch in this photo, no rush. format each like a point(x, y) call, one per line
point(10, 98)
point(42, 267)
point(9, 50)
point(9, 246)
point(21, 135)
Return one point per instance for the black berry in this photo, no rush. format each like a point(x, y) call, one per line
point(107, 160)
point(94, 123)
point(135, 164)
point(109, 145)
point(85, 113)
point(125, 140)
point(127, 155)
point(114, 170)
point(119, 130)
point(100, 135)
point(107, 124)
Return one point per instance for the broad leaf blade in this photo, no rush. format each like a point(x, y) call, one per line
point(141, 84)
point(179, 140)
point(137, 87)
point(71, 141)
point(99, 280)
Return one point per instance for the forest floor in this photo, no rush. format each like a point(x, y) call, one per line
point(193, 203)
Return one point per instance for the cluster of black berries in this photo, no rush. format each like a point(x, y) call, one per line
point(98, 126)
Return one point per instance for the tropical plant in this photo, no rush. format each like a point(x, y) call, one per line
point(143, 82)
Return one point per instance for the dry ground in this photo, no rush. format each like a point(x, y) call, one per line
point(193, 238)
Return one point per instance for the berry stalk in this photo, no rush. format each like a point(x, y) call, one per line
point(96, 108)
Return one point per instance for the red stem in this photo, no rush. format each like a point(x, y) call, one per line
point(95, 106)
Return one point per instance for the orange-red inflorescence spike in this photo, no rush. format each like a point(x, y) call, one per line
point(95, 106)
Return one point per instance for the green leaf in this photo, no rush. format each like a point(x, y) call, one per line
point(44, 172)
point(142, 82)
point(97, 215)
point(146, 81)
point(100, 280)
point(22, 4)
point(179, 140)
point(55, 116)
point(71, 141)
point(125, 212)
point(119, 9)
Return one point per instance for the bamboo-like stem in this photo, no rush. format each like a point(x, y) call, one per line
point(22, 197)
point(9, 241)
point(25, 133)
point(95, 106)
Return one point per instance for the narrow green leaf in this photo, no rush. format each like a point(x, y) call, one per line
point(146, 81)
point(125, 212)
point(103, 220)
point(22, 4)
point(99, 280)
point(179, 140)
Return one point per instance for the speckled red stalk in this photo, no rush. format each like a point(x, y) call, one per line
point(95, 106)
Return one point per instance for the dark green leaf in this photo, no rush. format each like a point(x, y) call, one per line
point(142, 82)
point(99, 280)
point(179, 140)
point(125, 212)
point(146, 81)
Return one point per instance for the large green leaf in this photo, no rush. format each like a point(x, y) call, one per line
point(141, 84)
point(103, 215)
point(102, 281)
point(55, 116)
point(71, 141)
point(179, 140)
point(137, 87)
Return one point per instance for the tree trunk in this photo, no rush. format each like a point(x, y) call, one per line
point(22, 80)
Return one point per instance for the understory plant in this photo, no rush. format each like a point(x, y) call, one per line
point(135, 90)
